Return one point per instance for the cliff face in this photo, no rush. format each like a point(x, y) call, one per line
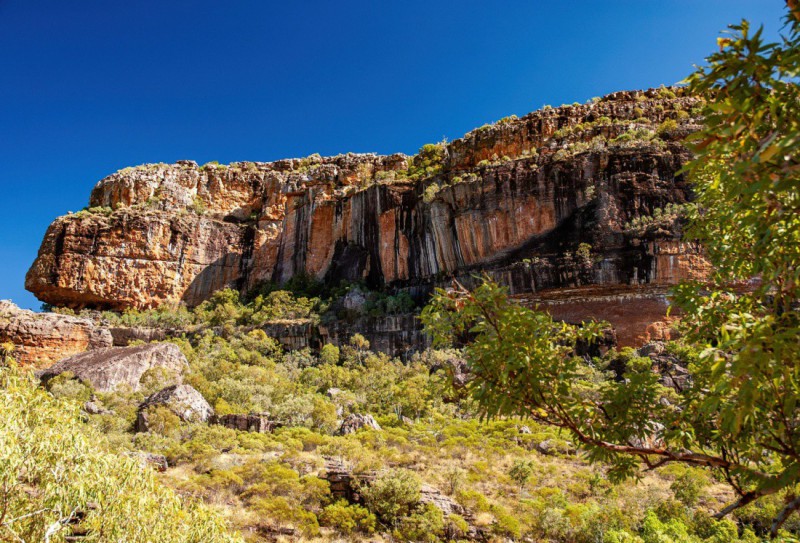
point(515, 199)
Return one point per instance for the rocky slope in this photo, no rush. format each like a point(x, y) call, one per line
point(516, 199)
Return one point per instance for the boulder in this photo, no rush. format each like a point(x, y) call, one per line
point(120, 367)
point(183, 400)
point(92, 407)
point(40, 339)
point(157, 462)
point(353, 423)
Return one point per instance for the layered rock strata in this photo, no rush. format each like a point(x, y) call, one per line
point(515, 199)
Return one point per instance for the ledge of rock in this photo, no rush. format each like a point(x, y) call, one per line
point(41, 339)
point(113, 368)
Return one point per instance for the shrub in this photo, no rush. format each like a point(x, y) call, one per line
point(430, 193)
point(161, 420)
point(688, 486)
point(67, 386)
point(666, 127)
point(347, 518)
point(392, 495)
point(329, 354)
point(521, 472)
point(425, 524)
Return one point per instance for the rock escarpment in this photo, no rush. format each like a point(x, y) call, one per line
point(516, 199)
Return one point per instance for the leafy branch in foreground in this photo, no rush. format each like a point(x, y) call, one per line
point(740, 416)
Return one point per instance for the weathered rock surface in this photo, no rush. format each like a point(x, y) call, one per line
point(251, 422)
point(673, 371)
point(183, 400)
point(396, 335)
point(40, 339)
point(120, 367)
point(124, 336)
point(515, 199)
point(355, 422)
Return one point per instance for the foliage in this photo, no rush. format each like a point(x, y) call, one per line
point(56, 476)
point(348, 518)
point(428, 161)
point(392, 495)
point(745, 174)
point(663, 221)
point(521, 472)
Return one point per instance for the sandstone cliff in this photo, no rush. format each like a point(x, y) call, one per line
point(517, 199)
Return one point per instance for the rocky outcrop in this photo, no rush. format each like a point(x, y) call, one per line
point(396, 335)
point(342, 481)
point(40, 339)
point(673, 371)
point(355, 422)
point(252, 422)
point(124, 336)
point(515, 199)
point(183, 400)
point(114, 368)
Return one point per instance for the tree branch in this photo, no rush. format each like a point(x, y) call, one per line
point(790, 508)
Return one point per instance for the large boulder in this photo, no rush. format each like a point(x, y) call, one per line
point(354, 422)
point(120, 367)
point(183, 400)
point(41, 339)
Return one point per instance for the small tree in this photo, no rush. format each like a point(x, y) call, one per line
point(521, 472)
point(329, 354)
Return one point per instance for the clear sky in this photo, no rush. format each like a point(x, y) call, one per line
point(89, 87)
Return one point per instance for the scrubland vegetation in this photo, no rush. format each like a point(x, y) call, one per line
point(517, 478)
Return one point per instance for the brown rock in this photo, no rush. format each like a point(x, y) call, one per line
point(116, 367)
point(40, 339)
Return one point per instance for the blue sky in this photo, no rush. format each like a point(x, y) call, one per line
point(89, 87)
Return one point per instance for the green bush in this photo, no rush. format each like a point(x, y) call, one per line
point(426, 524)
point(392, 495)
point(348, 519)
